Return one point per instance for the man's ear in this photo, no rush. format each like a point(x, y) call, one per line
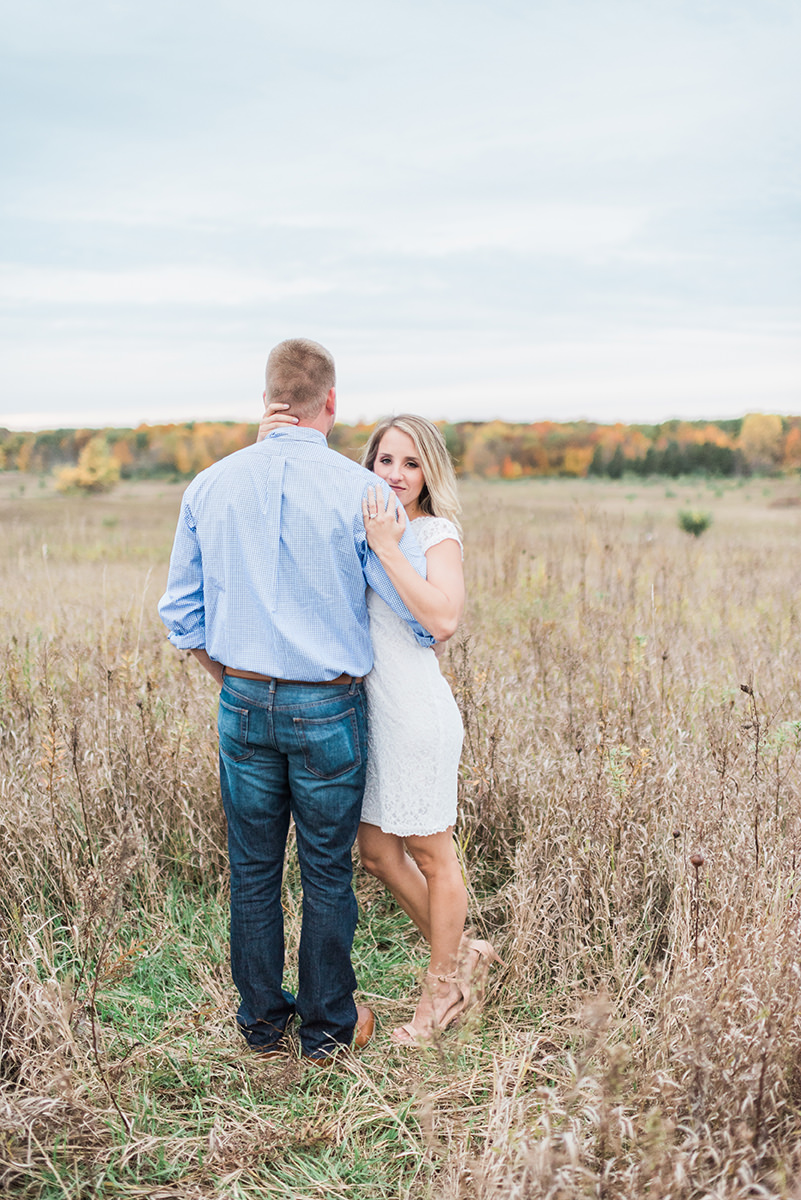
point(331, 402)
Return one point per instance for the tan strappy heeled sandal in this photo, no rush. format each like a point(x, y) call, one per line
point(474, 974)
point(416, 1036)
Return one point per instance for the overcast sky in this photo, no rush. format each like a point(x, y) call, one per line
point(515, 209)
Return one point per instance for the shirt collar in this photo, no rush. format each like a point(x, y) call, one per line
point(302, 432)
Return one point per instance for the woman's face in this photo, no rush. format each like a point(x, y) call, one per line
point(398, 462)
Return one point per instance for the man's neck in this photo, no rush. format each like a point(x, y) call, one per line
point(319, 426)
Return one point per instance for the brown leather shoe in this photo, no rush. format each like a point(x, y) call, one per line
point(279, 1049)
point(365, 1026)
point(321, 1062)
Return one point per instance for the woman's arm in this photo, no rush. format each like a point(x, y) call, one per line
point(437, 601)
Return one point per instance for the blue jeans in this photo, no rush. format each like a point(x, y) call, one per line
point(300, 750)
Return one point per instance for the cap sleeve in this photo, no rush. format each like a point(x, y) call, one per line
point(430, 531)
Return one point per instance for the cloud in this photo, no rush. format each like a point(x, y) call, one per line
point(576, 202)
point(626, 375)
point(569, 230)
point(182, 286)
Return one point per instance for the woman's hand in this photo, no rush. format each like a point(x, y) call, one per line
point(274, 418)
point(384, 523)
point(435, 601)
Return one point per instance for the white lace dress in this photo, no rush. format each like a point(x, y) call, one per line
point(415, 731)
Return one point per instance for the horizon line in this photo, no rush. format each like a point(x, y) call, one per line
point(15, 427)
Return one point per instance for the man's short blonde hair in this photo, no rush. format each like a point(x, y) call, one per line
point(300, 373)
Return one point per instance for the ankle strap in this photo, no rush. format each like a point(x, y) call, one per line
point(452, 978)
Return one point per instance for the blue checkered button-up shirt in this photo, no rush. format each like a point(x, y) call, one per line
point(270, 562)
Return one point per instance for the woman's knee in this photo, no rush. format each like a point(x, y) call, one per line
point(372, 864)
point(435, 855)
point(378, 852)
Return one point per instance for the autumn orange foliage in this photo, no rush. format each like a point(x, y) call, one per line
point(491, 449)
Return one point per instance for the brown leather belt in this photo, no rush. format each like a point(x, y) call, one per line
point(346, 679)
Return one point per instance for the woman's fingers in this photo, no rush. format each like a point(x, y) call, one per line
point(370, 505)
point(379, 509)
point(275, 417)
point(390, 505)
point(383, 522)
point(276, 413)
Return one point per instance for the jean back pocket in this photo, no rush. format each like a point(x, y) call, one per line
point(330, 744)
point(232, 726)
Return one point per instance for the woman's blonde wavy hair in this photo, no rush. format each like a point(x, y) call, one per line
point(439, 497)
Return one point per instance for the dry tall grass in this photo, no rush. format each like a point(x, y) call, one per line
point(631, 701)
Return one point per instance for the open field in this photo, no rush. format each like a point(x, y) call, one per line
point(631, 698)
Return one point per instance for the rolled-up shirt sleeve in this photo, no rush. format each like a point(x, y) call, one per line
point(380, 582)
point(181, 608)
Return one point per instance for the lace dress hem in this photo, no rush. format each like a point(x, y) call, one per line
point(386, 827)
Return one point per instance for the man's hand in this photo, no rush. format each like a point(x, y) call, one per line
point(214, 669)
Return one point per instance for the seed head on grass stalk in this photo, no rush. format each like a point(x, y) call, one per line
point(697, 861)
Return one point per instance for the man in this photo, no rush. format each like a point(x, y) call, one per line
point(267, 589)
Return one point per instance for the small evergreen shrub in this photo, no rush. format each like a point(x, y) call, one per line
point(694, 522)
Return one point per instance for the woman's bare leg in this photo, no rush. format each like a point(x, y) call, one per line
point(443, 995)
point(436, 859)
point(383, 855)
point(430, 890)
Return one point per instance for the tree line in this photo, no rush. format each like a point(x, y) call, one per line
point(759, 442)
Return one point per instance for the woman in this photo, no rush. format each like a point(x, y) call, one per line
point(415, 740)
